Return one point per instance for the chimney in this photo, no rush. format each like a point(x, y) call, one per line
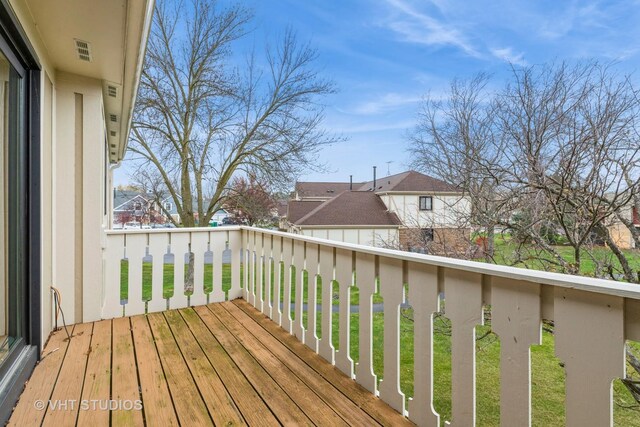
point(374, 178)
point(350, 182)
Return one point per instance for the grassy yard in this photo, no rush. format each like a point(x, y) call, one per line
point(505, 249)
point(547, 374)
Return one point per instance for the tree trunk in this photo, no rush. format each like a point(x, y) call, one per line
point(189, 221)
point(491, 238)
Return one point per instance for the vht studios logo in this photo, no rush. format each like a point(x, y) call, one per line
point(88, 405)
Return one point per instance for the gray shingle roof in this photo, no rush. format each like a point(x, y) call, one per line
point(323, 189)
point(409, 181)
point(298, 208)
point(351, 208)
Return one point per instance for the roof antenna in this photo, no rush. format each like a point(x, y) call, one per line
point(388, 170)
point(350, 182)
point(374, 178)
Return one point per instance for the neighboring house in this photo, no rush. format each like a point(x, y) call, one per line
point(620, 233)
point(136, 206)
point(334, 219)
point(69, 74)
point(219, 216)
point(428, 210)
point(171, 208)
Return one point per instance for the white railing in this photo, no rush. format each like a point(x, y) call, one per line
point(162, 255)
point(593, 318)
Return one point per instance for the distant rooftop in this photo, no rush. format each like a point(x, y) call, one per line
point(323, 189)
point(409, 181)
point(350, 208)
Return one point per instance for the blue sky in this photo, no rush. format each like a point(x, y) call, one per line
point(384, 55)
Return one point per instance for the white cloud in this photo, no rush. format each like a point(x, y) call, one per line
point(507, 54)
point(417, 27)
point(384, 103)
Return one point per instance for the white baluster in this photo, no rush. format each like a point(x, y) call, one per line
point(199, 243)
point(287, 256)
point(344, 277)
point(157, 248)
point(136, 248)
point(391, 290)
point(235, 246)
point(423, 297)
point(179, 247)
point(311, 339)
point(112, 306)
point(589, 338)
point(366, 282)
point(246, 259)
point(217, 241)
point(516, 318)
point(463, 306)
point(266, 262)
point(276, 311)
point(252, 264)
point(326, 273)
point(298, 261)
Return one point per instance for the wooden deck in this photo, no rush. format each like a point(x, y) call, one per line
point(221, 364)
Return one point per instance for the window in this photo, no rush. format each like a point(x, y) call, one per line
point(168, 206)
point(137, 206)
point(426, 203)
point(427, 234)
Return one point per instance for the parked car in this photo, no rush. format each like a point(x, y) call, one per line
point(132, 225)
point(146, 227)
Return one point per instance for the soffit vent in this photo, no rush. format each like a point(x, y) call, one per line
point(113, 118)
point(113, 133)
point(83, 49)
point(112, 91)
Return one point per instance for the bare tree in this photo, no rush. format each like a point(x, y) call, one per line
point(553, 156)
point(198, 121)
point(568, 129)
point(455, 141)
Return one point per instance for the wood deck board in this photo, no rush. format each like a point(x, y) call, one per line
point(186, 398)
point(222, 364)
point(41, 383)
point(97, 380)
point(219, 402)
point(278, 400)
point(325, 390)
point(379, 410)
point(124, 382)
point(253, 408)
point(304, 396)
point(157, 404)
point(68, 388)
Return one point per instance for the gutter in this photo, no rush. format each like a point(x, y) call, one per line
point(148, 19)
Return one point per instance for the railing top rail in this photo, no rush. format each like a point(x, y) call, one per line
point(173, 230)
point(602, 286)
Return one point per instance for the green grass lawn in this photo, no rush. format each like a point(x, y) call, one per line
point(547, 375)
point(505, 249)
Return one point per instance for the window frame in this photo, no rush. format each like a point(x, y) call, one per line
point(421, 198)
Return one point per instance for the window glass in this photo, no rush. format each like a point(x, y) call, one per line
point(11, 185)
point(425, 203)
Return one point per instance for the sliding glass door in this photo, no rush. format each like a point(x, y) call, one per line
point(19, 210)
point(12, 308)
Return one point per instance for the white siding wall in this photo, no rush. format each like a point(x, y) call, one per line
point(378, 237)
point(448, 210)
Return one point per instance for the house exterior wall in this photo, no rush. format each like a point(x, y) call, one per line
point(621, 236)
point(449, 210)
point(378, 237)
point(74, 176)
